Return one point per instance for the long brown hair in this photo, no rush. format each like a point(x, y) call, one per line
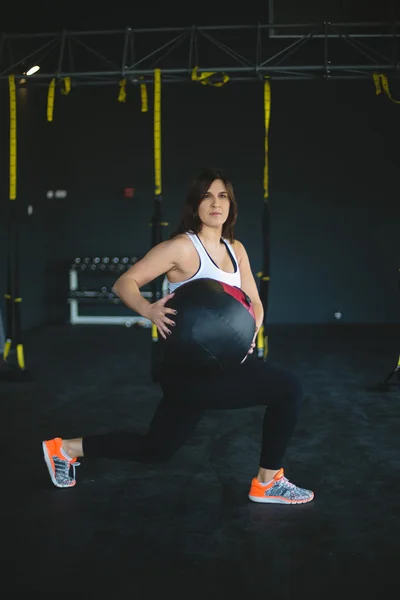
point(190, 220)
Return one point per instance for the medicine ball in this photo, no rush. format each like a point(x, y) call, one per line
point(214, 325)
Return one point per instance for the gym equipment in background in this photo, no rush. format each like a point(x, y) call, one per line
point(91, 282)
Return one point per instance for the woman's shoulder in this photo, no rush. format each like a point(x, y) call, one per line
point(239, 249)
point(180, 238)
point(237, 245)
point(180, 241)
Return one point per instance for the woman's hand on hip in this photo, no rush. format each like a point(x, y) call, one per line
point(158, 314)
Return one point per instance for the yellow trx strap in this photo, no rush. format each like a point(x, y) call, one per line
point(122, 91)
point(262, 339)
point(13, 196)
point(50, 99)
point(157, 132)
point(157, 137)
point(13, 170)
point(67, 86)
point(382, 85)
point(157, 153)
point(208, 77)
point(143, 96)
point(13, 138)
point(51, 93)
point(267, 114)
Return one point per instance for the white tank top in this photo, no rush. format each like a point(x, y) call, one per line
point(208, 268)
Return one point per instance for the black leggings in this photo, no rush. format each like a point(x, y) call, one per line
point(185, 398)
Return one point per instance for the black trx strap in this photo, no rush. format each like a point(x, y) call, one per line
point(13, 333)
point(13, 330)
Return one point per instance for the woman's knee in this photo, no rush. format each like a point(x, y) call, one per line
point(159, 453)
point(289, 386)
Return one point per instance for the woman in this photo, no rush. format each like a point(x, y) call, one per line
point(203, 246)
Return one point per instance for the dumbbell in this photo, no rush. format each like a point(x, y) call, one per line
point(112, 266)
point(124, 263)
point(84, 263)
point(103, 266)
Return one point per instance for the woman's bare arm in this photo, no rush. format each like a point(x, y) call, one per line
point(248, 283)
point(159, 260)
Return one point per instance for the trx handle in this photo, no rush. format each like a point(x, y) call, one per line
point(154, 333)
point(210, 77)
point(51, 95)
point(157, 132)
point(122, 91)
point(382, 86)
point(122, 96)
point(67, 86)
point(143, 96)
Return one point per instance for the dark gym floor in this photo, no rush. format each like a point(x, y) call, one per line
point(186, 527)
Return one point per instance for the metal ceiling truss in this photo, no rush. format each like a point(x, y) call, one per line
point(208, 54)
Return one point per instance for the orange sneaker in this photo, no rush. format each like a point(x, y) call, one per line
point(279, 491)
point(58, 465)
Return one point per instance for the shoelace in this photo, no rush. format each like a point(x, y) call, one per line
point(295, 489)
point(64, 465)
point(74, 465)
point(288, 483)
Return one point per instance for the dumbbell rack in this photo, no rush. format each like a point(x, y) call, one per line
point(104, 295)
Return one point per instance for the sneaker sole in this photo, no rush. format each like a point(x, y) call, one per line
point(50, 468)
point(266, 500)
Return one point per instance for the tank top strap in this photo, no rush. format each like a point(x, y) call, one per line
point(232, 252)
point(197, 244)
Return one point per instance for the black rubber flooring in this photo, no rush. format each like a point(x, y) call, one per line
point(186, 528)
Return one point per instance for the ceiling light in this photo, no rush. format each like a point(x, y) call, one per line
point(33, 70)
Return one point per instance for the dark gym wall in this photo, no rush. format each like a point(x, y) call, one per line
point(333, 165)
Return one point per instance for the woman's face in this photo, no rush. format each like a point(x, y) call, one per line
point(213, 210)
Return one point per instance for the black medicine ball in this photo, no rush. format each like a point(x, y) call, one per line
point(214, 324)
